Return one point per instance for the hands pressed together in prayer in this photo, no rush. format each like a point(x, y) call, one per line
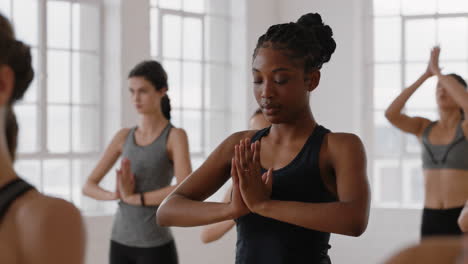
point(251, 189)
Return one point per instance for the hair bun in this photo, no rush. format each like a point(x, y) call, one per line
point(310, 20)
point(324, 34)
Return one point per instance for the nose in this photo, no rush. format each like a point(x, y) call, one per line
point(268, 89)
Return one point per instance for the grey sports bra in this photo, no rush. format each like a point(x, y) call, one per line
point(451, 156)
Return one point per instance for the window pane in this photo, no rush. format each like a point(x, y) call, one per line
point(412, 171)
point(424, 97)
point(217, 125)
point(170, 4)
point(219, 7)
point(85, 78)
point(5, 8)
point(58, 128)
point(86, 22)
point(216, 96)
point(418, 7)
point(57, 178)
point(412, 143)
point(81, 169)
point(58, 24)
point(192, 38)
point(196, 6)
point(387, 139)
point(453, 6)
point(26, 20)
point(173, 77)
point(154, 31)
point(453, 38)
point(216, 47)
point(192, 90)
point(387, 84)
point(387, 39)
point(58, 77)
point(192, 123)
point(85, 129)
point(31, 94)
point(29, 170)
point(388, 178)
point(27, 121)
point(420, 38)
point(171, 36)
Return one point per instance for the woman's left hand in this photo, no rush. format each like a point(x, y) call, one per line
point(126, 180)
point(255, 188)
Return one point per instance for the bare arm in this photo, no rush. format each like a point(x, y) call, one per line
point(463, 219)
point(91, 188)
point(178, 150)
point(413, 125)
point(185, 206)
point(215, 231)
point(348, 216)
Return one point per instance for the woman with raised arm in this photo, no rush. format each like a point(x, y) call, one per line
point(157, 151)
point(444, 148)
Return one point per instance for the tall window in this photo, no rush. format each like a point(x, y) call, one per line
point(404, 32)
point(191, 39)
point(60, 115)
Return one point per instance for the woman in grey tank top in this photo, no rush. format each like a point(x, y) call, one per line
point(154, 152)
point(444, 148)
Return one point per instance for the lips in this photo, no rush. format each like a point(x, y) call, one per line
point(270, 109)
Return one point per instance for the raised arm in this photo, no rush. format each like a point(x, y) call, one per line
point(91, 188)
point(413, 125)
point(178, 151)
point(185, 206)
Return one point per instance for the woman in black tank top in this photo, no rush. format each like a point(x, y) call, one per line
point(295, 182)
point(34, 228)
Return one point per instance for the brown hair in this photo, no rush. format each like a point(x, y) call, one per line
point(16, 55)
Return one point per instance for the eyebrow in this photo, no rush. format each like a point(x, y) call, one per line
point(274, 71)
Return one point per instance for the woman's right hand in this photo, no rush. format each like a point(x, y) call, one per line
point(237, 206)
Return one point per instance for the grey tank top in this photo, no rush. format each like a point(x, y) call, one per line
point(451, 156)
point(136, 226)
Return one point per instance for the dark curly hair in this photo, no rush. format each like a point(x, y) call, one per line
point(308, 40)
point(154, 73)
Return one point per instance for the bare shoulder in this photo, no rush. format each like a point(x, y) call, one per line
point(122, 134)
point(177, 134)
point(57, 227)
point(344, 141)
point(440, 250)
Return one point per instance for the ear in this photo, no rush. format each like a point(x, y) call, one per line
point(312, 80)
point(163, 91)
point(7, 82)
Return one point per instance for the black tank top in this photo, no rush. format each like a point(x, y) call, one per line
point(10, 192)
point(262, 240)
